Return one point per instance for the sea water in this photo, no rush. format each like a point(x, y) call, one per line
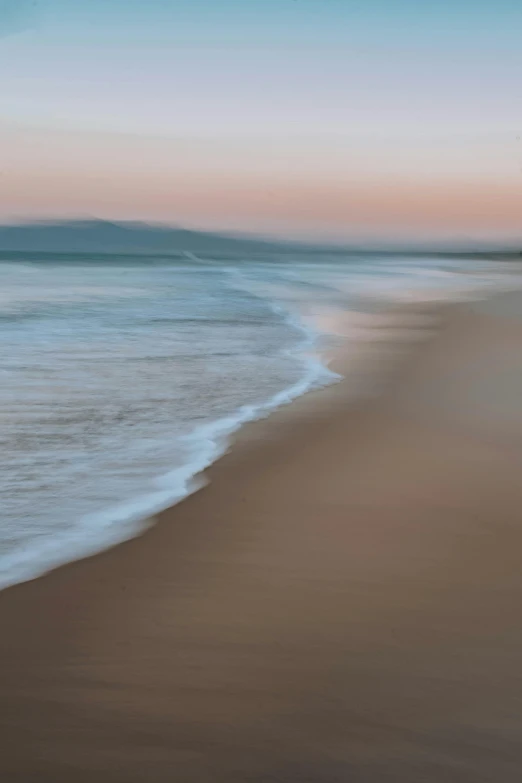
point(121, 378)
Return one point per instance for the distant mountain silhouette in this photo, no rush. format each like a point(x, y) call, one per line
point(127, 238)
point(100, 236)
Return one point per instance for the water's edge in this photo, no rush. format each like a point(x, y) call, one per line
point(103, 530)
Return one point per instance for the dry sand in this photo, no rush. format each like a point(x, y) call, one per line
point(342, 603)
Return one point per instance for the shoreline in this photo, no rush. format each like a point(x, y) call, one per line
point(341, 600)
point(134, 516)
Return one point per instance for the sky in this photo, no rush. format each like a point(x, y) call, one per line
point(324, 119)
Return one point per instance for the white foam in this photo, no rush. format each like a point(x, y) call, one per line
point(99, 531)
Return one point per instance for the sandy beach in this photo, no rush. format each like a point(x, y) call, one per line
point(340, 603)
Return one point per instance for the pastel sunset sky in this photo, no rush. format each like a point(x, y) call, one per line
point(330, 119)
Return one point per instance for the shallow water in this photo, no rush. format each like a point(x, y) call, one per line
point(121, 380)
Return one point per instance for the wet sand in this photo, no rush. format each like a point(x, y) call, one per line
point(341, 603)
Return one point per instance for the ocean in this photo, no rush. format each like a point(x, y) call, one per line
point(123, 377)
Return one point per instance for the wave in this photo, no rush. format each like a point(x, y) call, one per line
point(102, 530)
